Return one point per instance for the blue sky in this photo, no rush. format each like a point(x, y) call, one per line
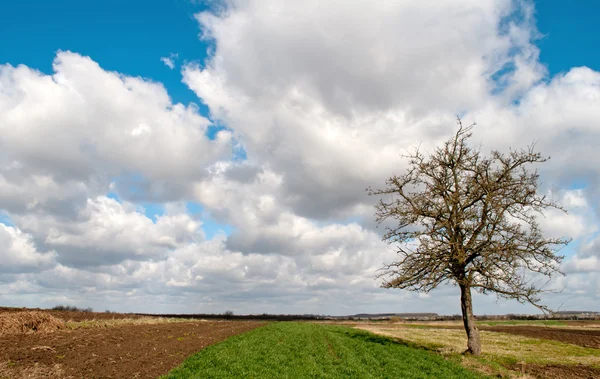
point(125, 36)
point(131, 36)
point(321, 113)
point(571, 32)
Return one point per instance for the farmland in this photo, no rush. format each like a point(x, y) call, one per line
point(100, 345)
point(566, 350)
point(51, 344)
point(308, 350)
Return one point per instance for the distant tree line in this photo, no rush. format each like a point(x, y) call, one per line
point(230, 316)
point(71, 308)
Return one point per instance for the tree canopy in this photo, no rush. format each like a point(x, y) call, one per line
point(471, 220)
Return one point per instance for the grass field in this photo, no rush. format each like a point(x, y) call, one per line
point(497, 346)
point(500, 350)
point(306, 350)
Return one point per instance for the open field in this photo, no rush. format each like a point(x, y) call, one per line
point(58, 344)
point(541, 351)
point(309, 350)
point(524, 322)
point(575, 336)
point(120, 348)
point(585, 334)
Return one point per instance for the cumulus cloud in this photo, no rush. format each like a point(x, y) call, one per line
point(170, 60)
point(19, 253)
point(323, 100)
point(108, 232)
point(410, 54)
point(85, 125)
point(331, 96)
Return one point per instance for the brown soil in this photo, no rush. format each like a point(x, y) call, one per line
point(585, 338)
point(584, 323)
point(129, 351)
point(558, 371)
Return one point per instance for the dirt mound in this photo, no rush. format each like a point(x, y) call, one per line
point(28, 321)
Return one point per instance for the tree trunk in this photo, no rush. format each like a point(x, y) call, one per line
point(466, 304)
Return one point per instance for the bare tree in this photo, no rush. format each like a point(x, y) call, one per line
point(470, 220)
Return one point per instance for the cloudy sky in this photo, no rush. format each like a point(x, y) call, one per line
point(193, 156)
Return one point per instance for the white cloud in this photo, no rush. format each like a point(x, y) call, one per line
point(332, 95)
point(583, 264)
point(169, 61)
point(19, 254)
point(106, 232)
point(578, 221)
point(84, 124)
point(359, 56)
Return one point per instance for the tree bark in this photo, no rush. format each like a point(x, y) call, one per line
point(466, 304)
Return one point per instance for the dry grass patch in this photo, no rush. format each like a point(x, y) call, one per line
point(28, 322)
point(498, 347)
point(40, 321)
point(501, 352)
point(109, 323)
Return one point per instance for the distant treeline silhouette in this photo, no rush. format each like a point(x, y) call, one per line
point(308, 317)
point(374, 317)
point(71, 308)
point(231, 316)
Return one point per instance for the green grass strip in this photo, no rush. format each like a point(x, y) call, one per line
point(305, 350)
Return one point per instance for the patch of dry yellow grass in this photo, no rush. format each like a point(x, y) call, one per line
point(497, 347)
point(127, 321)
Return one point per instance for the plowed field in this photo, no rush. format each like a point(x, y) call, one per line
point(580, 337)
point(124, 351)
